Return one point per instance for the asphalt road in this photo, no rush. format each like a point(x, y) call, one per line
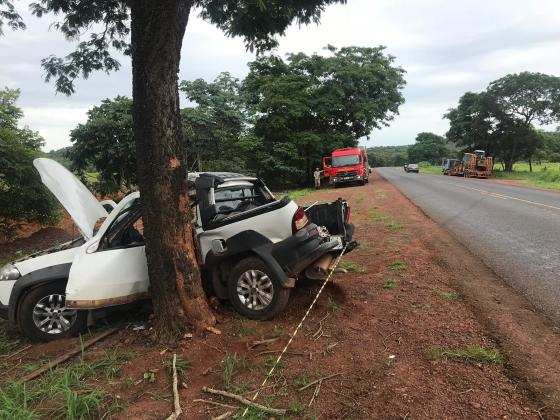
point(514, 230)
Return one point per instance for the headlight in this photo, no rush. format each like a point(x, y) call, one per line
point(9, 272)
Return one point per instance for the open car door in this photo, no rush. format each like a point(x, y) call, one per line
point(111, 270)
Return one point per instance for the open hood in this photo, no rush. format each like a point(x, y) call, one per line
point(78, 201)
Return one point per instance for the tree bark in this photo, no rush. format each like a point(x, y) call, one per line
point(157, 30)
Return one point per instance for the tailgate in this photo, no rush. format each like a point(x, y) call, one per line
point(334, 216)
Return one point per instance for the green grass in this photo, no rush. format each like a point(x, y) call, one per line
point(297, 194)
point(333, 306)
point(7, 344)
point(472, 354)
point(390, 284)
point(448, 295)
point(546, 175)
point(352, 267)
point(301, 380)
point(427, 168)
point(65, 392)
point(231, 364)
point(398, 265)
point(377, 216)
point(394, 225)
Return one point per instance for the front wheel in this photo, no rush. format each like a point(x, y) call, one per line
point(43, 315)
point(254, 291)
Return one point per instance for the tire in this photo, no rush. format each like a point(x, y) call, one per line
point(51, 297)
point(241, 276)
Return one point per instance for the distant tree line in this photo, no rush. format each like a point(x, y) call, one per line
point(277, 123)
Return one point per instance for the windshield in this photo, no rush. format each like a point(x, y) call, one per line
point(345, 160)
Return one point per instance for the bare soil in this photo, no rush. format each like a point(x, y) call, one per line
point(413, 288)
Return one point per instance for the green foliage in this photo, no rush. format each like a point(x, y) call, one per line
point(473, 354)
point(544, 175)
point(388, 156)
point(306, 106)
point(398, 265)
point(352, 267)
point(500, 120)
point(429, 147)
point(214, 128)
point(448, 295)
point(105, 144)
point(230, 366)
point(390, 284)
point(23, 198)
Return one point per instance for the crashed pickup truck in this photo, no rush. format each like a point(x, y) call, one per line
point(252, 247)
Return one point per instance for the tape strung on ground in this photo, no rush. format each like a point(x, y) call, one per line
point(297, 329)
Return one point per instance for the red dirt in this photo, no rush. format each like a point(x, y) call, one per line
point(375, 337)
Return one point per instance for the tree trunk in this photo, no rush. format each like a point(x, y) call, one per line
point(157, 29)
point(508, 165)
point(530, 165)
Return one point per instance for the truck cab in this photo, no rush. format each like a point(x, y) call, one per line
point(348, 165)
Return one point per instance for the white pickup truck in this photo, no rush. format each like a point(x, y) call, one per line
point(253, 247)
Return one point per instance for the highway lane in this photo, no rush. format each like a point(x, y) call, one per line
point(514, 230)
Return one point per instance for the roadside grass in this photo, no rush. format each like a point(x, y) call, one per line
point(398, 265)
point(333, 306)
point(428, 168)
point(545, 175)
point(65, 392)
point(377, 216)
point(352, 267)
point(472, 354)
point(390, 284)
point(394, 225)
point(298, 194)
point(242, 329)
point(231, 365)
point(448, 295)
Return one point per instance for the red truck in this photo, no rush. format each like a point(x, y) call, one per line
point(347, 165)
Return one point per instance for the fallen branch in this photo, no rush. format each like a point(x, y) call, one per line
point(223, 416)
point(245, 401)
point(16, 353)
point(261, 342)
point(319, 380)
point(70, 354)
point(177, 404)
point(218, 404)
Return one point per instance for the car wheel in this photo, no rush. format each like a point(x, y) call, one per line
point(254, 291)
point(43, 315)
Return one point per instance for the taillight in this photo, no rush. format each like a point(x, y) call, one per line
point(299, 220)
point(347, 215)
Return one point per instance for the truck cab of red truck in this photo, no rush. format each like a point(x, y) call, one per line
point(348, 165)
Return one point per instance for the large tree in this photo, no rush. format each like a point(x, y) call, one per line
point(501, 119)
point(429, 147)
point(307, 105)
point(22, 196)
point(152, 33)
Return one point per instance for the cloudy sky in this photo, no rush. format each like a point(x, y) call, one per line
point(446, 47)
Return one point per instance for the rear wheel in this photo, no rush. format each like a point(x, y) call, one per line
point(254, 291)
point(43, 315)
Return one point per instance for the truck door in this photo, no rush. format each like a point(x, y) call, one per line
point(112, 271)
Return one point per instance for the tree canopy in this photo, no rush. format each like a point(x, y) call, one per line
point(305, 106)
point(105, 142)
point(23, 197)
point(429, 147)
point(501, 119)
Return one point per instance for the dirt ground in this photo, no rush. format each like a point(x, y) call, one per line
point(389, 330)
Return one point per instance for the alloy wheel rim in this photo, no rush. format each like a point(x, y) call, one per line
point(255, 290)
point(51, 315)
